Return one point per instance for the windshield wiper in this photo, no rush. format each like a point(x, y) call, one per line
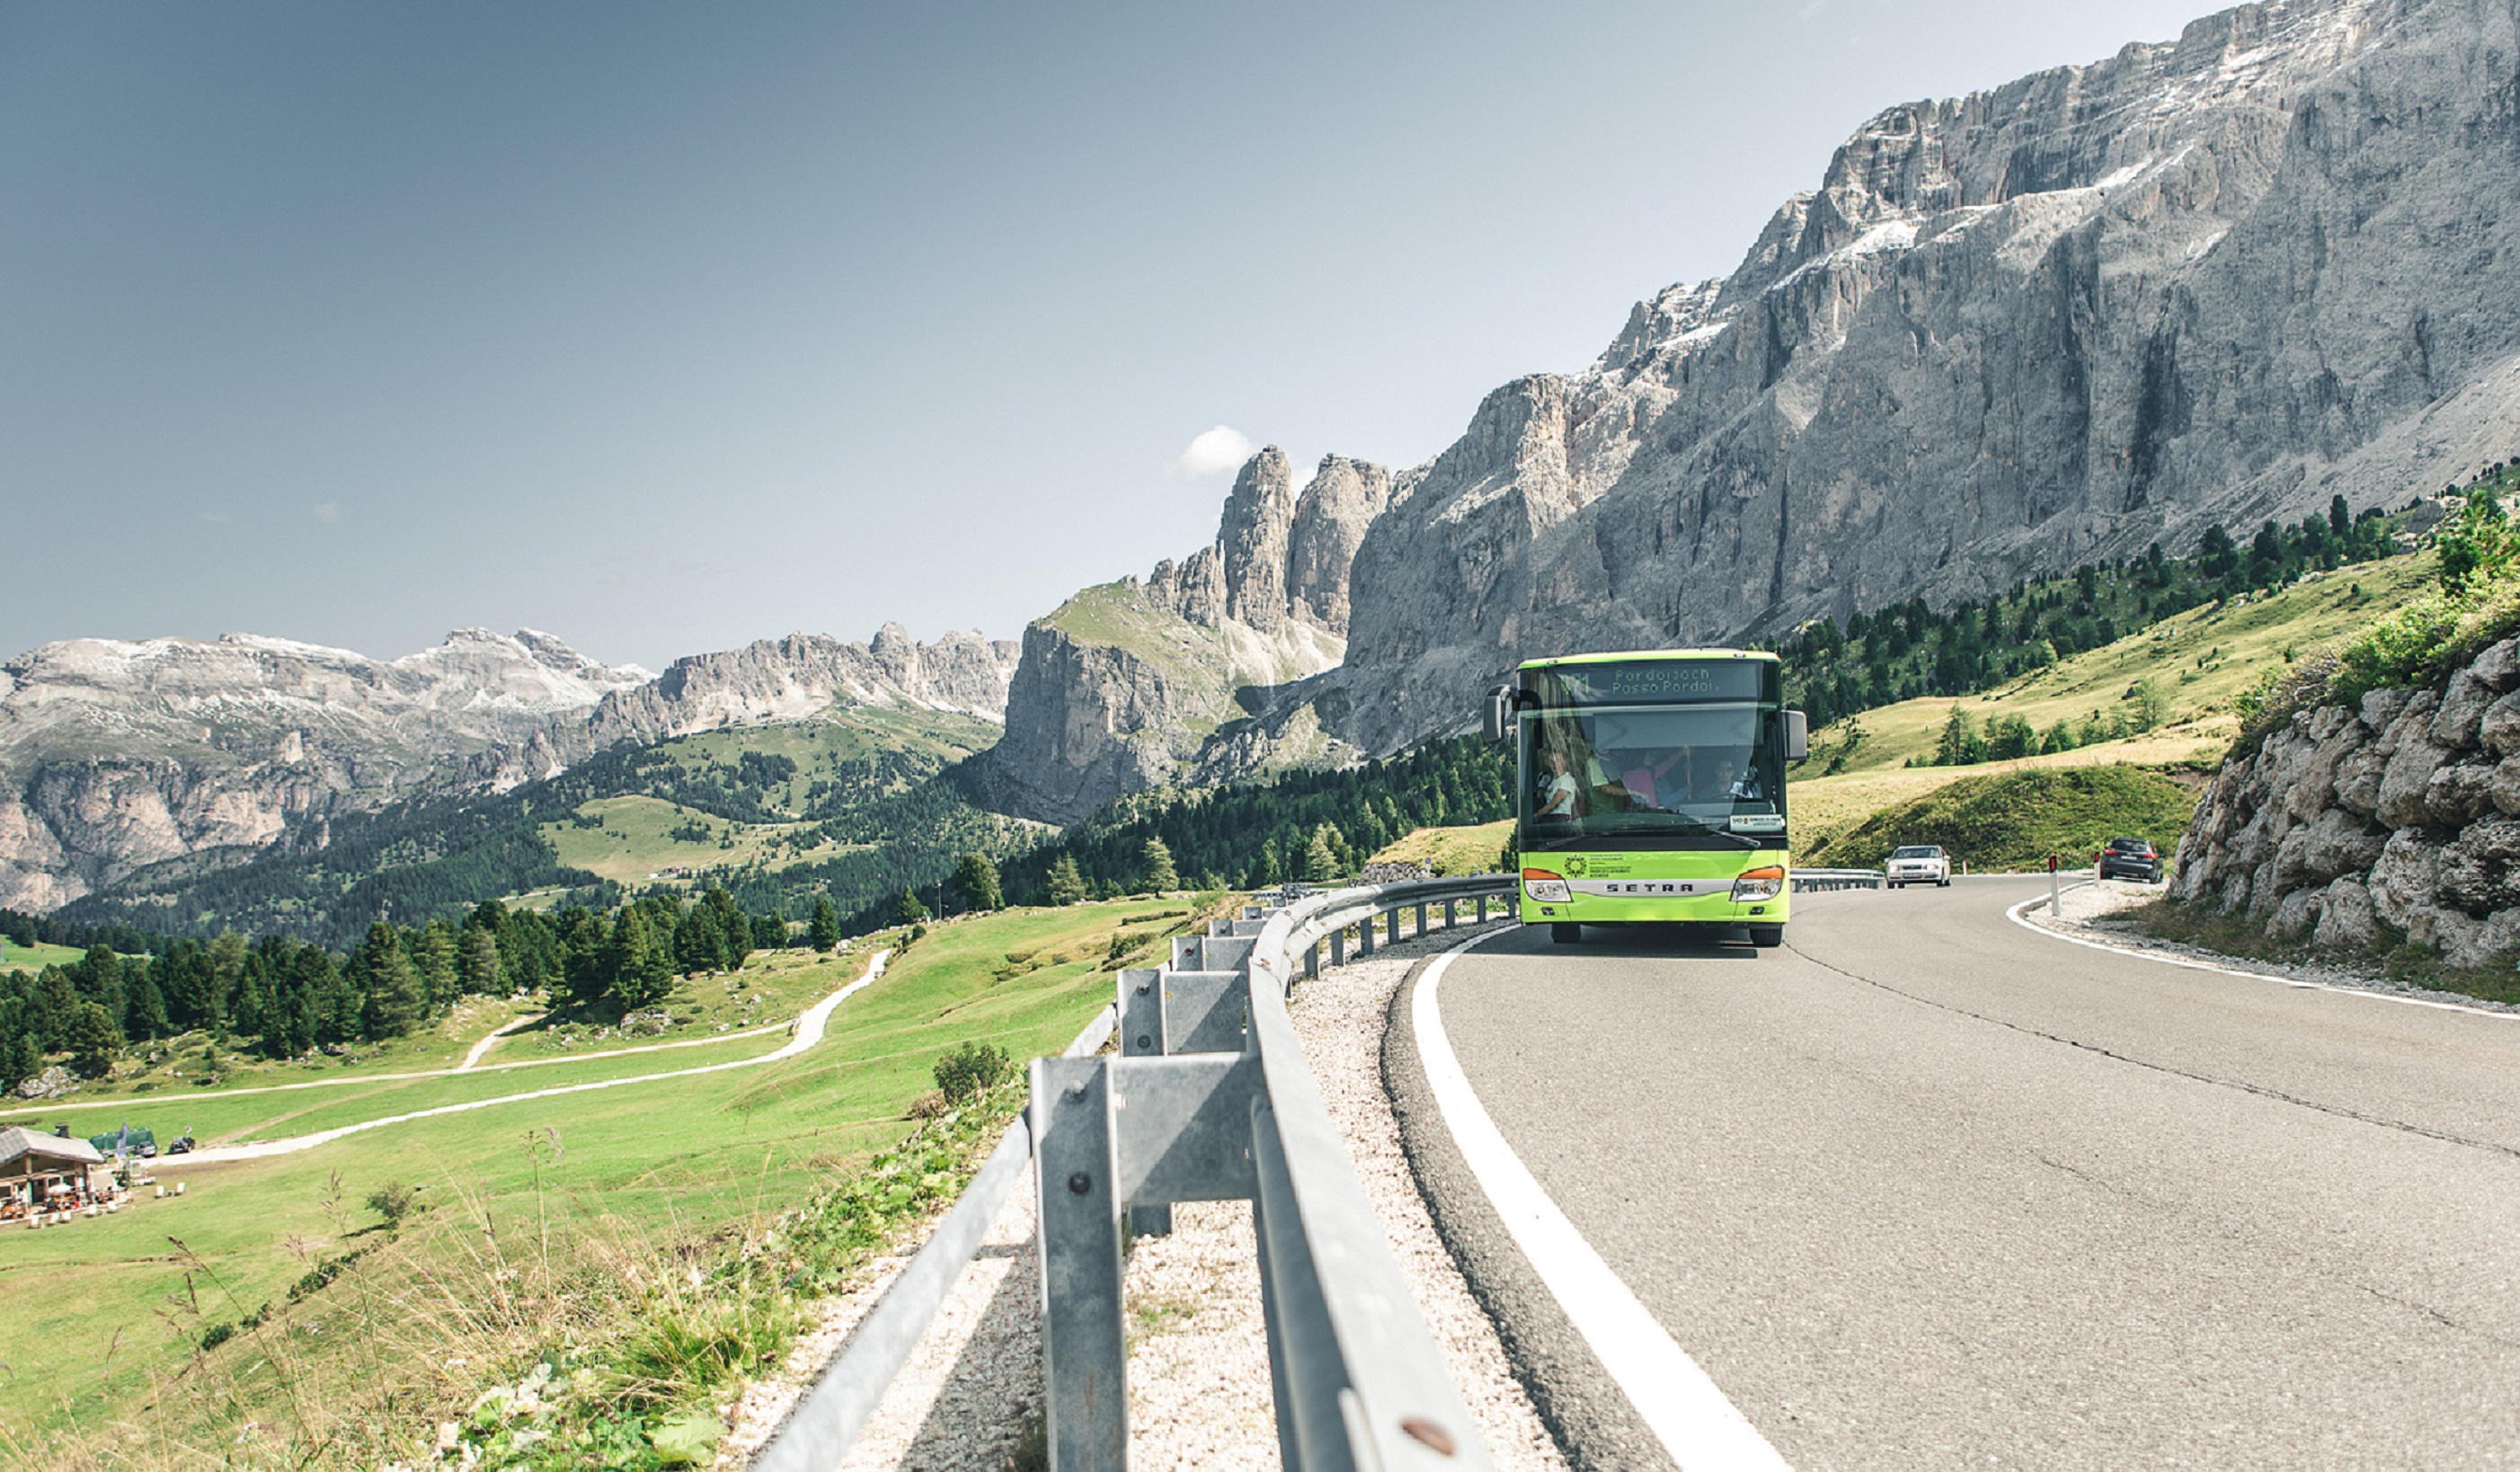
point(1744, 840)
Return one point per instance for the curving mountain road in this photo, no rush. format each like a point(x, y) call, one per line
point(1929, 1187)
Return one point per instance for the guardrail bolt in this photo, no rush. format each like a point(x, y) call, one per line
point(1077, 1091)
point(1145, 1040)
point(1434, 1436)
point(1080, 1183)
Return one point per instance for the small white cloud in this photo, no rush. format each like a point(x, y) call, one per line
point(326, 511)
point(1222, 447)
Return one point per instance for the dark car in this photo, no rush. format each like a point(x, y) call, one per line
point(2130, 859)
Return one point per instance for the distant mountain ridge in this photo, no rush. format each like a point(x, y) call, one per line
point(119, 755)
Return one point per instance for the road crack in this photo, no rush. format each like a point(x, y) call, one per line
point(2340, 1111)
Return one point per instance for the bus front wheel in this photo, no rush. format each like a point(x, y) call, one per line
point(1567, 933)
point(1766, 936)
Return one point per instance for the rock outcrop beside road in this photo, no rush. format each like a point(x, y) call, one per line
point(2399, 816)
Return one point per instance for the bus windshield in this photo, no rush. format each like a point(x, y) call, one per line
point(1699, 768)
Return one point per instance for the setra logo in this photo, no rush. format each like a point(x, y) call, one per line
point(1574, 866)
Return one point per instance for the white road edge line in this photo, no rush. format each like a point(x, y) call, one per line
point(809, 1031)
point(2014, 914)
point(1697, 1425)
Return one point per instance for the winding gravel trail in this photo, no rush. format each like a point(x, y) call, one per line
point(809, 1031)
point(127, 1101)
point(491, 1038)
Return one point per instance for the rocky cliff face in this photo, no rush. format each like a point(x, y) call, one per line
point(114, 757)
point(1129, 685)
point(2403, 812)
point(788, 679)
point(2217, 280)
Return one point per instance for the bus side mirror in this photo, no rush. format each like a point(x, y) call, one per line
point(1797, 736)
point(1500, 723)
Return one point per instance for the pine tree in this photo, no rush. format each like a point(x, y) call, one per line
point(396, 1001)
point(1958, 742)
point(734, 929)
point(249, 1012)
point(100, 979)
point(478, 963)
point(698, 944)
point(1066, 884)
point(93, 1041)
point(1160, 874)
point(824, 930)
point(642, 969)
point(975, 883)
point(585, 972)
point(435, 951)
point(1321, 860)
point(907, 910)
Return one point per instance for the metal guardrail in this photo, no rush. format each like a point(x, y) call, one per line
point(1208, 1099)
point(1835, 879)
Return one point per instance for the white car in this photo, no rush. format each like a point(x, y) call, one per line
point(1917, 863)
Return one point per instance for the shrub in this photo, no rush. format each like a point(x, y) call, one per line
point(972, 1068)
point(2279, 693)
point(393, 1202)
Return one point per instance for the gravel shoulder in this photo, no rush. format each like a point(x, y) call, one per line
point(2092, 910)
point(1199, 1365)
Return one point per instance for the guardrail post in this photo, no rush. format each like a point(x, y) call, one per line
point(1338, 947)
point(1143, 1035)
point(1313, 960)
point(1365, 936)
point(1084, 1341)
point(1422, 921)
point(1483, 909)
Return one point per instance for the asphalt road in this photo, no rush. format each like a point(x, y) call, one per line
point(1926, 1188)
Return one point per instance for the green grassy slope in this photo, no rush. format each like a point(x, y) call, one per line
point(1127, 616)
point(2012, 821)
point(2199, 659)
point(675, 1160)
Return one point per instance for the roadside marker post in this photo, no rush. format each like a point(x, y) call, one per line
point(2053, 912)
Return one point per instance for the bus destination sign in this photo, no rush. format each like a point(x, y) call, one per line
point(1651, 682)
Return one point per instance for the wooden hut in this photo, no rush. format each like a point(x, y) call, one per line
point(45, 1172)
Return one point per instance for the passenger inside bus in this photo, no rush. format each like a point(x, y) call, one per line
point(1558, 785)
point(1649, 784)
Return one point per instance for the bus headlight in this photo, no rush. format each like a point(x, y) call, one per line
point(1546, 887)
point(1757, 884)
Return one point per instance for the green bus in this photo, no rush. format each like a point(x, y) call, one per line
point(1651, 789)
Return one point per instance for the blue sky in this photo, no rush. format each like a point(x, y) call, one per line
point(668, 328)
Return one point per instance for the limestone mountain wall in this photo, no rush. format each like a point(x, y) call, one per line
point(1135, 684)
point(2402, 812)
